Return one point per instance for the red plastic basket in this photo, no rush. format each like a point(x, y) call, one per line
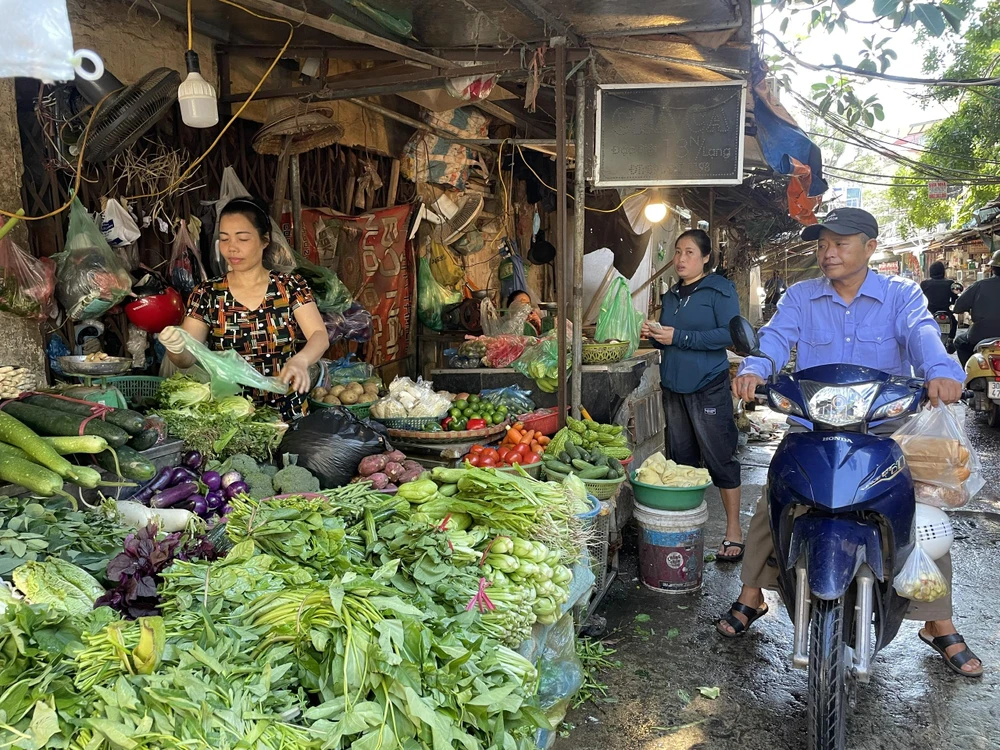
point(545, 421)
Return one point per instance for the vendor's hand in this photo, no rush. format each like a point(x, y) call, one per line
point(663, 334)
point(172, 340)
point(295, 373)
point(943, 390)
point(745, 387)
point(535, 319)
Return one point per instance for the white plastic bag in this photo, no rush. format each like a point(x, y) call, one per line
point(118, 226)
point(920, 579)
point(38, 41)
point(277, 257)
point(939, 452)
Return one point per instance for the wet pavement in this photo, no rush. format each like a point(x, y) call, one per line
point(668, 649)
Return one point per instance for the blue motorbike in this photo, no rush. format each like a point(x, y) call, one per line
point(842, 511)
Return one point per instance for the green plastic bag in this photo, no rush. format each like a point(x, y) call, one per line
point(330, 293)
point(432, 298)
point(540, 362)
point(228, 370)
point(619, 321)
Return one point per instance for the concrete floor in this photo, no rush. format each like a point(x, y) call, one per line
point(912, 702)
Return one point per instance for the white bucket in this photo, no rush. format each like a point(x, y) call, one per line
point(671, 548)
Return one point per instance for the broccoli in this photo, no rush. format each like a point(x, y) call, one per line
point(259, 485)
point(294, 480)
point(242, 463)
point(269, 469)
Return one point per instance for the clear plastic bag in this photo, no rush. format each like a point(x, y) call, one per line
point(517, 400)
point(27, 284)
point(38, 41)
point(511, 324)
point(228, 370)
point(347, 370)
point(355, 324)
point(503, 351)
point(118, 226)
point(330, 293)
point(560, 670)
point(920, 579)
point(185, 268)
point(432, 298)
point(91, 279)
point(940, 497)
point(939, 452)
point(619, 320)
point(541, 363)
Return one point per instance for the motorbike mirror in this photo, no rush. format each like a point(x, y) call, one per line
point(745, 340)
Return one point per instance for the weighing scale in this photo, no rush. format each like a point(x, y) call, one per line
point(94, 375)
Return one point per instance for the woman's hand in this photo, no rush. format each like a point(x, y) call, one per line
point(663, 334)
point(295, 373)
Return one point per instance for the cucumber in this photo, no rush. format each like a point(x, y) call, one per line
point(17, 469)
point(57, 423)
point(144, 440)
point(553, 465)
point(67, 446)
point(616, 466)
point(600, 459)
point(573, 450)
point(582, 465)
point(133, 466)
point(126, 419)
point(14, 432)
point(565, 457)
point(596, 472)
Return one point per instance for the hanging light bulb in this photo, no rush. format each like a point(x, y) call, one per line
point(655, 210)
point(199, 105)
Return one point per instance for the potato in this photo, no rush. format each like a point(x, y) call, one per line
point(349, 398)
point(337, 390)
point(318, 393)
point(332, 400)
point(356, 387)
point(377, 382)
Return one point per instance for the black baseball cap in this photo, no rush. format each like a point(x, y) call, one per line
point(844, 221)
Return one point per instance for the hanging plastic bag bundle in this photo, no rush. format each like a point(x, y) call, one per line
point(118, 226)
point(330, 293)
point(920, 579)
point(432, 298)
point(91, 279)
point(541, 363)
point(27, 284)
point(185, 268)
point(447, 272)
point(945, 467)
point(228, 370)
point(619, 320)
point(355, 324)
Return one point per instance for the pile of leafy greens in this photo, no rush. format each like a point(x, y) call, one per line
point(218, 428)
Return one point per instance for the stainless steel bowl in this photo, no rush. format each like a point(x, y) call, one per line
point(78, 365)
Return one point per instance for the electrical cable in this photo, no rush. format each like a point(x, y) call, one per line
point(908, 147)
point(572, 197)
point(190, 17)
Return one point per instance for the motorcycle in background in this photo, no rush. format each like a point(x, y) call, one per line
point(982, 377)
point(945, 318)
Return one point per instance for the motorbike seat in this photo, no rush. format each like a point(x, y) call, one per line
point(988, 344)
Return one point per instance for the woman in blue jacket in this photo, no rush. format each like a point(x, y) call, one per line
point(693, 334)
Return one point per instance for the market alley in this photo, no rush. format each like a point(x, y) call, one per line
point(668, 649)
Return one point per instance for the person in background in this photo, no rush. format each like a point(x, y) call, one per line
point(982, 301)
point(693, 333)
point(939, 293)
point(270, 318)
point(534, 321)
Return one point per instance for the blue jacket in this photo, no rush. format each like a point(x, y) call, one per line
point(701, 334)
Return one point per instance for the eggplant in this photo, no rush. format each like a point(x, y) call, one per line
point(176, 494)
point(231, 477)
point(160, 482)
point(200, 506)
point(225, 510)
point(236, 488)
point(212, 480)
point(215, 499)
point(193, 460)
point(183, 474)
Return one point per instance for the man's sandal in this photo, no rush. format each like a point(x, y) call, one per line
point(738, 627)
point(727, 545)
point(956, 662)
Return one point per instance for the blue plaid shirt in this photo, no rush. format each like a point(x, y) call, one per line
point(887, 326)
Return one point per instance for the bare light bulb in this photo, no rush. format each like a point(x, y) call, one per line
point(655, 211)
point(199, 105)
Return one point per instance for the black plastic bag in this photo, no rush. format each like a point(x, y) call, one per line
point(331, 443)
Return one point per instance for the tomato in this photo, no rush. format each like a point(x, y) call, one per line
point(475, 460)
point(522, 449)
point(476, 449)
point(503, 453)
point(515, 458)
point(487, 461)
point(492, 453)
point(532, 458)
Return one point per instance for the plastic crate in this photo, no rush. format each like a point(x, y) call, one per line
point(136, 388)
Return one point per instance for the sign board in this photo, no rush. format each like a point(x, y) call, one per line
point(670, 134)
point(937, 190)
point(853, 197)
point(888, 268)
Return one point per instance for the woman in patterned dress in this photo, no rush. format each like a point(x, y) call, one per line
point(270, 318)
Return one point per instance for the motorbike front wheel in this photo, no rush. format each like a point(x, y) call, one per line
point(828, 676)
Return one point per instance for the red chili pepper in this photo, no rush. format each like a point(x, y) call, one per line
point(447, 421)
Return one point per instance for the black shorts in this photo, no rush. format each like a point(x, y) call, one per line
point(701, 431)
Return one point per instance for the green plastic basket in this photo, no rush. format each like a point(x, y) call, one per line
point(602, 489)
point(413, 424)
point(360, 411)
point(667, 498)
point(137, 389)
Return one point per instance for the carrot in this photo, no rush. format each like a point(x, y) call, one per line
point(543, 440)
point(514, 434)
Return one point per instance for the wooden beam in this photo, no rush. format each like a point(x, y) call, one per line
point(359, 52)
point(341, 31)
point(564, 290)
point(393, 189)
point(535, 10)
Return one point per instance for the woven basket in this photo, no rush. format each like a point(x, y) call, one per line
point(602, 489)
point(299, 126)
point(604, 354)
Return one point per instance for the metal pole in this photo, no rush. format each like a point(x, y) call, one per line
point(561, 223)
point(579, 237)
point(296, 201)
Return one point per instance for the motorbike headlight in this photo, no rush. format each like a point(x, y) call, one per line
point(894, 409)
point(840, 405)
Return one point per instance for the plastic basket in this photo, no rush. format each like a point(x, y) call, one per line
point(604, 354)
point(532, 470)
point(545, 421)
point(667, 498)
point(136, 388)
point(414, 424)
point(360, 411)
point(602, 489)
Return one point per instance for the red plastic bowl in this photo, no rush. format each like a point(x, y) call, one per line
point(156, 312)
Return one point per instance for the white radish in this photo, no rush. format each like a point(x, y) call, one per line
point(169, 520)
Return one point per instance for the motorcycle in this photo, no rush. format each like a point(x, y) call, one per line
point(944, 318)
point(842, 513)
point(982, 378)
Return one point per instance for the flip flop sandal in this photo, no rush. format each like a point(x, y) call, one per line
point(956, 662)
point(738, 627)
point(726, 545)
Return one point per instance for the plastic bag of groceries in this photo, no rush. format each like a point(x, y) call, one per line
point(940, 454)
point(618, 319)
point(90, 277)
point(185, 268)
point(920, 579)
point(27, 283)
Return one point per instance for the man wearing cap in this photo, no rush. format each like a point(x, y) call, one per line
point(855, 316)
point(982, 301)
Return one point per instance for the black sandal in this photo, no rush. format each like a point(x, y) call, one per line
point(726, 544)
point(738, 627)
point(956, 662)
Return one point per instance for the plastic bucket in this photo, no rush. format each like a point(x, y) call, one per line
point(671, 548)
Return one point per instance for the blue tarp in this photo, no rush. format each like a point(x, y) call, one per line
point(781, 142)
